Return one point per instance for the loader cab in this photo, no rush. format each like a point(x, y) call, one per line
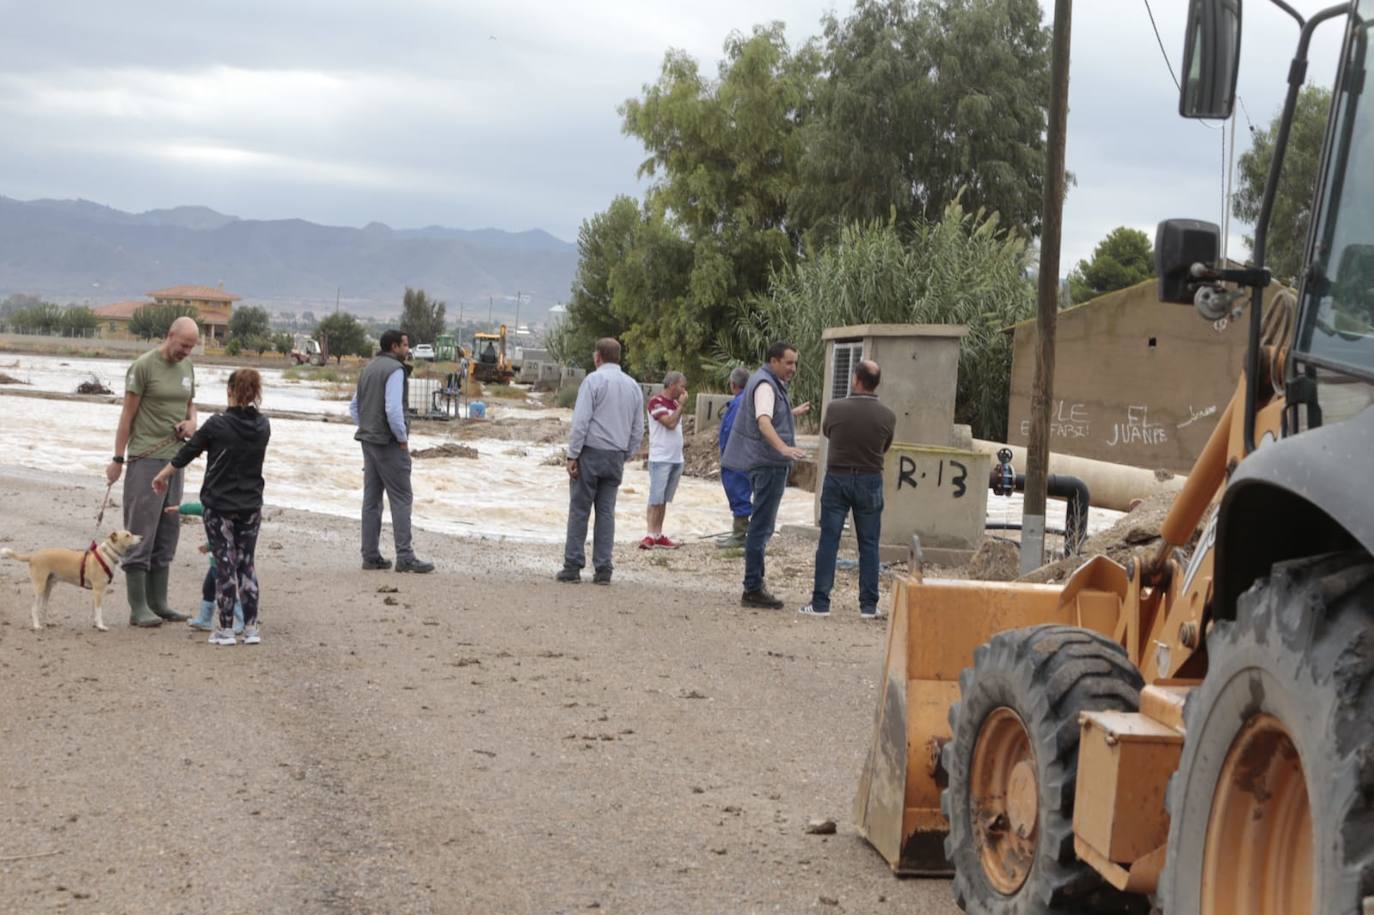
point(1331, 372)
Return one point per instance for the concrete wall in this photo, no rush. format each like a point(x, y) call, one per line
point(1136, 381)
point(920, 365)
point(934, 484)
point(939, 493)
point(529, 371)
point(650, 390)
point(571, 376)
point(709, 407)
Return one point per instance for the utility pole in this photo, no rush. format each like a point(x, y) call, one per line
point(490, 322)
point(517, 311)
point(1047, 295)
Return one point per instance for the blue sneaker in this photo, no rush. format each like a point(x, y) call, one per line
point(204, 620)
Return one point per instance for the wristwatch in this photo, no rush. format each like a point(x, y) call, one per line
point(118, 459)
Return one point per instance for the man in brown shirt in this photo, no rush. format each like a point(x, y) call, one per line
point(859, 428)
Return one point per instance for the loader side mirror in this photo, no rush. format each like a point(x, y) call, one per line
point(1179, 244)
point(1211, 59)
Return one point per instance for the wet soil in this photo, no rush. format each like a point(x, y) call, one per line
point(481, 739)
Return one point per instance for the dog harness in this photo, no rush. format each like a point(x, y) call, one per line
point(94, 550)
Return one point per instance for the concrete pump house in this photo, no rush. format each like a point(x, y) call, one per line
point(1136, 381)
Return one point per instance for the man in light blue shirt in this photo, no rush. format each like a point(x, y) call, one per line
point(378, 409)
point(607, 429)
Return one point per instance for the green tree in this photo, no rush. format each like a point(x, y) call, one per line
point(603, 243)
point(341, 335)
point(962, 269)
point(723, 155)
point(151, 322)
point(1125, 257)
point(43, 318)
point(17, 302)
point(249, 323)
point(1292, 212)
point(283, 343)
point(922, 102)
point(78, 321)
point(422, 319)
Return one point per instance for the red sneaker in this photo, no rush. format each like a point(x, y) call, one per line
point(663, 543)
point(648, 543)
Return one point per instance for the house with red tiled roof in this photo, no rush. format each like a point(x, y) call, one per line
point(212, 302)
point(213, 308)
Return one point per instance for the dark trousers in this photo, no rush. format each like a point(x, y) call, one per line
point(595, 488)
point(768, 482)
point(386, 469)
point(842, 493)
point(233, 540)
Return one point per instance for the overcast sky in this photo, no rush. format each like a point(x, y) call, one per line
point(484, 113)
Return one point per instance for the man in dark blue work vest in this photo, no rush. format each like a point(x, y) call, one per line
point(763, 444)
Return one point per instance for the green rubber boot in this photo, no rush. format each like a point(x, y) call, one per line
point(157, 595)
point(136, 585)
point(737, 534)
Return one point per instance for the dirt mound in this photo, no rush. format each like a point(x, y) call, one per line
point(996, 560)
point(1138, 528)
point(446, 450)
point(700, 453)
point(544, 430)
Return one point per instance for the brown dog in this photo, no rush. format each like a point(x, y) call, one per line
point(92, 569)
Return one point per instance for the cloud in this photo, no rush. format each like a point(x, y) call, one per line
point(487, 113)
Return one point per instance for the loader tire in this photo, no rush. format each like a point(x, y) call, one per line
point(1272, 805)
point(1012, 764)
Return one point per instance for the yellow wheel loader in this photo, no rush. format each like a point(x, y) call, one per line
point(1190, 732)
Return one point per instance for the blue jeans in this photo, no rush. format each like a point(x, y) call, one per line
point(768, 482)
point(840, 494)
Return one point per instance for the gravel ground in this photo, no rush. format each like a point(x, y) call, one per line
point(481, 740)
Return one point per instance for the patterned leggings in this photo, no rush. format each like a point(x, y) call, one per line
point(233, 539)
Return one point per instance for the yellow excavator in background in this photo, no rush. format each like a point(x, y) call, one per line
point(490, 362)
point(1191, 732)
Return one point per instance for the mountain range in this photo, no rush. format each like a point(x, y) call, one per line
point(79, 251)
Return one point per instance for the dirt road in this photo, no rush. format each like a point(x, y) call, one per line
point(481, 740)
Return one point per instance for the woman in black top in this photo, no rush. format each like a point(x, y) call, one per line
point(232, 499)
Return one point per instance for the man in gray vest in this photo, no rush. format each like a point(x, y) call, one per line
point(763, 444)
point(379, 410)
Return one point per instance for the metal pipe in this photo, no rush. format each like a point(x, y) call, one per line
point(1114, 486)
point(1069, 488)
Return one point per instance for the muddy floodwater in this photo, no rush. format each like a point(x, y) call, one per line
point(506, 492)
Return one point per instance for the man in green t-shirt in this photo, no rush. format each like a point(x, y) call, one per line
point(159, 412)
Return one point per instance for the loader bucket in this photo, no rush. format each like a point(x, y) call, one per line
point(933, 629)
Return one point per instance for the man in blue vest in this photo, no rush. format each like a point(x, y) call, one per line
point(736, 484)
point(763, 444)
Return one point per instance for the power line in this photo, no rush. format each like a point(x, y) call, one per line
point(1160, 40)
point(1167, 63)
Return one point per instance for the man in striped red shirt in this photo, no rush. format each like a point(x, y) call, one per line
point(665, 457)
